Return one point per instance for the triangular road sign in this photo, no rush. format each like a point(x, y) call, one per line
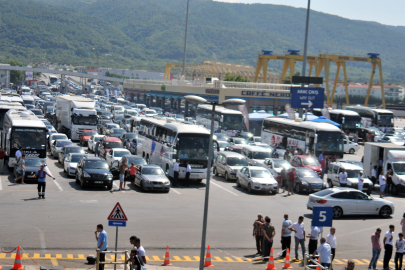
point(117, 213)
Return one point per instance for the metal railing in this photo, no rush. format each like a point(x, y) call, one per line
point(115, 261)
point(314, 264)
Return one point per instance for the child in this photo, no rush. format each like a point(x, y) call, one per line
point(400, 244)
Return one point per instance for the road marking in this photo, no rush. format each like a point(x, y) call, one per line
point(54, 262)
point(56, 182)
point(41, 239)
point(88, 201)
point(1, 187)
point(175, 191)
point(224, 188)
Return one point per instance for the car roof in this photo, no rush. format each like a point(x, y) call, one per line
point(150, 166)
point(231, 154)
point(78, 154)
point(346, 166)
point(93, 158)
point(112, 139)
point(72, 146)
point(256, 148)
point(256, 168)
point(119, 149)
point(58, 134)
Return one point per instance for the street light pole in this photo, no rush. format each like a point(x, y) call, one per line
point(185, 44)
point(304, 60)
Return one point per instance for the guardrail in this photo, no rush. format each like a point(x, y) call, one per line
point(115, 262)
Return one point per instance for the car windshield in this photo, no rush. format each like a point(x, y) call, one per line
point(260, 174)
point(33, 162)
point(61, 144)
point(222, 137)
point(112, 126)
point(119, 131)
point(179, 116)
point(76, 158)
point(131, 136)
point(261, 155)
point(310, 162)
point(236, 161)
point(96, 164)
point(222, 144)
point(353, 173)
point(323, 193)
point(110, 145)
point(150, 112)
point(281, 164)
point(136, 160)
point(240, 141)
point(152, 171)
point(89, 133)
point(307, 174)
point(399, 168)
point(121, 153)
point(73, 150)
point(59, 137)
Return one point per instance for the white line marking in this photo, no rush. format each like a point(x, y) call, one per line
point(1, 187)
point(56, 182)
point(175, 191)
point(224, 189)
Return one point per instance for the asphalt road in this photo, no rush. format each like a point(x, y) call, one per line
point(64, 223)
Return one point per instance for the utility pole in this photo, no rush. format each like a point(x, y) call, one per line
point(304, 60)
point(185, 44)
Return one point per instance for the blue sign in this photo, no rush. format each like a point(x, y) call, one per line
point(117, 223)
point(307, 97)
point(322, 216)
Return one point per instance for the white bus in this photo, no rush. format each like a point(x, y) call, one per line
point(53, 79)
point(374, 116)
point(23, 129)
point(225, 120)
point(161, 142)
point(5, 107)
point(348, 120)
point(304, 135)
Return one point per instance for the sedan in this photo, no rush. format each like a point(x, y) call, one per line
point(348, 201)
point(128, 159)
point(32, 165)
point(67, 150)
point(306, 180)
point(70, 163)
point(392, 139)
point(117, 132)
point(108, 127)
point(152, 177)
point(256, 178)
point(307, 162)
point(57, 146)
point(91, 144)
point(86, 135)
point(57, 136)
point(116, 154)
point(275, 165)
point(128, 135)
point(350, 147)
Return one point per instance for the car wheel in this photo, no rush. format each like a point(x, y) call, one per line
point(351, 151)
point(215, 171)
point(337, 212)
point(109, 187)
point(274, 192)
point(64, 169)
point(330, 183)
point(297, 188)
point(249, 188)
point(166, 191)
point(385, 212)
point(77, 179)
point(142, 186)
point(199, 180)
point(237, 183)
point(226, 177)
point(82, 185)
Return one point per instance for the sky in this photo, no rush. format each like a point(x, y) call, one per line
point(390, 12)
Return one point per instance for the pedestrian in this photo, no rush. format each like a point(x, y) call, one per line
point(388, 245)
point(331, 240)
point(2, 156)
point(122, 169)
point(361, 181)
point(41, 174)
point(291, 181)
point(400, 244)
point(258, 234)
point(141, 250)
point(324, 252)
point(323, 166)
point(285, 235)
point(128, 144)
point(343, 178)
point(269, 233)
point(97, 149)
point(403, 224)
point(389, 183)
point(376, 244)
point(284, 178)
point(299, 229)
point(313, 239)
point(176, 170)
point(21, 170)
point(356, 137)
point(286, 154)
point(374, 174)
point(132, 174)
point(188, 172)
point(320, 156)
point(18, 154)
point(382, 183)
point(102, 244)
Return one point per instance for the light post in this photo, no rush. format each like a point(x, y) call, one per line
point(304, 60)
point(200, 100)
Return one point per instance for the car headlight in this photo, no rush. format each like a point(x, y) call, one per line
point(85, 174)
point(305, 183)
point(166, 182)
point(109, 176)
point(256, 183)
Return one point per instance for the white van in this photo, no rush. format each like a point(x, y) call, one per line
point(256, 155)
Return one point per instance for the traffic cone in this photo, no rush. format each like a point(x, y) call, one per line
point(17, 263)
point(287, 264)
point(208, 258)
point(270, 264)
point(167, 258)
point(319, 261)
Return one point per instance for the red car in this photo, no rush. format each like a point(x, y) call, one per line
point(86, 135)
point(307, 162)
point(108, 143)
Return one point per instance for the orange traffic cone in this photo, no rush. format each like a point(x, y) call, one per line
point(287, 264)
point(319, 261)
point(270, 264)
point(208, 258)
point(17, 263)
point(167, 258)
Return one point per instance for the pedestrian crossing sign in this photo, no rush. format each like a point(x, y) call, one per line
point(117, 213)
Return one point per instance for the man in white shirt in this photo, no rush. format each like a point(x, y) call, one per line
point(188, 172)
point(382, 182)
point(343, 178)
point(18, 154)
point(324, 251)
point(176, 170)
point(374, 174)
point(331, 240)
point(299, 229)
point(388, 244)
point(361, 181)
point(313, 239)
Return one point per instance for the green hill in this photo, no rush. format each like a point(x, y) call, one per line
point(148, 34)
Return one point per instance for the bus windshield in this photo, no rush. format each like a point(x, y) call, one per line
point(386, 119)
point(351, 122)
point(29, 138)
point(330, 142)
point(232, 122)
point(193, 147)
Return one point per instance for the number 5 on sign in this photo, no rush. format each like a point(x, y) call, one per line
point(322, 216)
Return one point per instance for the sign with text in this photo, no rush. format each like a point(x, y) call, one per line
point(307, 97)
point(322, 216)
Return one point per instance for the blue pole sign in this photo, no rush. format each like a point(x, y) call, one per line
point(307, 97)
point(322, 216)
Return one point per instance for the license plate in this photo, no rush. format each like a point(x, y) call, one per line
point(316, 189)
point(98, 182)
point(157, 185)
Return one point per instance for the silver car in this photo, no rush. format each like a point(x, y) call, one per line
point(228, 163)
point(57, 146)
point(275, 165)
point(256, 178)
point(152, 177)
point(70, 163)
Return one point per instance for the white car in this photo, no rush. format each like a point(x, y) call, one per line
point(91, 143)
point(349, 201)
point(57, 136)
point(256, 178)
point(275, 165)
point(116, 154)
point(350, 147)
point(150, 113)
point(70, 163)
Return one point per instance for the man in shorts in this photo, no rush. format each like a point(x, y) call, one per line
point(122, 169)
point(291, 181)
point(21, 169)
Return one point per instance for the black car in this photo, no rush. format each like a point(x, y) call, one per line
point(32, 165)
point(306, 180)
point(128, 135)
point(93, 171)
point(137, 160)
point(67, 150)
point(117, 132)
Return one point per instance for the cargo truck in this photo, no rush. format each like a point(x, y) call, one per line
point(392, 157)
point(75, 114)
